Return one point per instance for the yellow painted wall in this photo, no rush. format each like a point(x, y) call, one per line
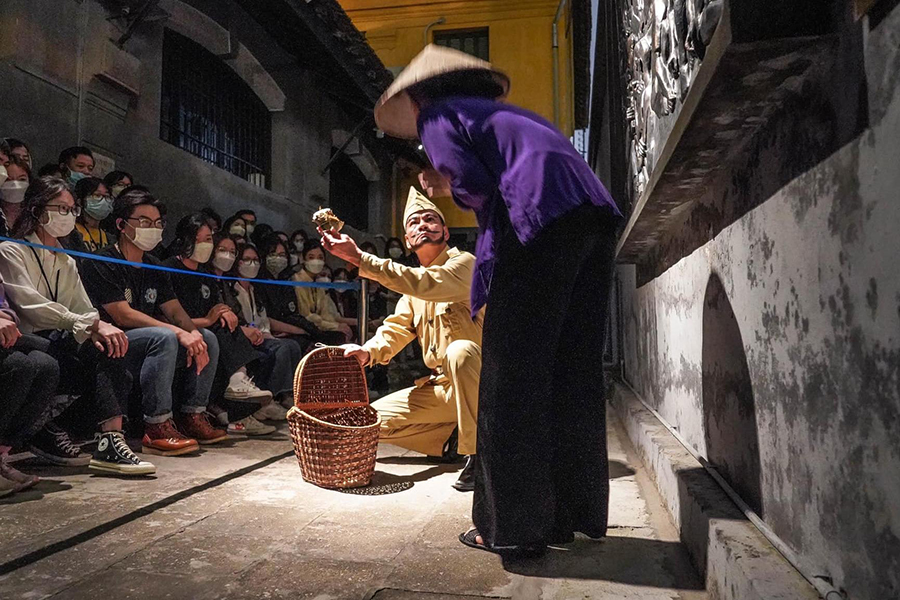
point(520, 38)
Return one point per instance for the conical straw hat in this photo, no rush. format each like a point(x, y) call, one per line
point(394, 112)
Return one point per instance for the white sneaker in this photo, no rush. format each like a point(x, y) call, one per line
point(271, 412)
point(250, 426)
point(242, 388)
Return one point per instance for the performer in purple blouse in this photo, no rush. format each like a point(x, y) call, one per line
point(547, 230)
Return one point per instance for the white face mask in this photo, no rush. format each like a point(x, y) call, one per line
point(223, 261)
point(3, 174)
point(250, 228)
point(276, 264)
point(147, 238)
point(117, 189)
point(395, 252)
point(249, 270)
point(237, 230)
point(202, 251)
point(323, 280)
point(14, 191)
point(314, 266)
point(59, 226)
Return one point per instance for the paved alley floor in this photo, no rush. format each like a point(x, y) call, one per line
point(239, 522)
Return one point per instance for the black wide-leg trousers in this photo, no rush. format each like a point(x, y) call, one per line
point(543, 471)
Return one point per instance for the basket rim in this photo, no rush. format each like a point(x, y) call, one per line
point(298, 381)
point(296, 411)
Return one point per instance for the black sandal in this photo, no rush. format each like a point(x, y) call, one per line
point(469, 539)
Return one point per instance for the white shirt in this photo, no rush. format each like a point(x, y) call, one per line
point(32, 295)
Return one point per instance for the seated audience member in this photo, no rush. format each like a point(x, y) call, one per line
point(314, 303)
point(96, 204)
point(76, 163)
point(237, 227)
point(298, 241)
point(46, 291)
point(50, 170)
point(276, 370)
point(12, 189)
point(28, 380)
point(20, 149)
point(260, 233)
point(283, 236)
point(249, 219)
point(280, 300)
point(135, 299)
point(117, 181)
point(213, 220)
point(396, 251)
point(193, 247)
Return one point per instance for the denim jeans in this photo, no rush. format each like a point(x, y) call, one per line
point(275, 371)
point(154, 356)
point(28, 380)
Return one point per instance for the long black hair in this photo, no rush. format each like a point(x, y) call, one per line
point(186, 235)
point(38, 195)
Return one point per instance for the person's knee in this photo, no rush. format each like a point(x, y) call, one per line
point(45, 366)
point(464, 353)
point(164, 340)
point(212, 344)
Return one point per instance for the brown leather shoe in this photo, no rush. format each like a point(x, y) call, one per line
point(164, 439)
point(198, 427)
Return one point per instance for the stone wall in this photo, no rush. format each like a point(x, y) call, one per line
point(54, 55)
point(774, 344)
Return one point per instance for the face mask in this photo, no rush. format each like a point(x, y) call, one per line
point(202, 251)
point(59, 226)
point(147, 239)
point(223, 261)
point(248, 270)
point(340, 281)
point(14, 191)
point(314, 266)
point(323, 280)
point(298, 245)
point(395, 252)
point(116, 190)
point(295, 259)
point(98, 207)
point(250, 228)
point(276, 264)
point(3, 175)
point(237, 230)
point(75, 177)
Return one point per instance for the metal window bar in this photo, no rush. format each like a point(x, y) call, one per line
point(207, 110)
point(471, 41)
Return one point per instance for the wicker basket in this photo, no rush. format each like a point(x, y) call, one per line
point(334, 430)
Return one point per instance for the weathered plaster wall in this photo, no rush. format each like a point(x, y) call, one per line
point(810, 277)
point(43, 44)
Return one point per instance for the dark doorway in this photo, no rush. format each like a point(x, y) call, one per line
point(729, 408)
point(349, 192)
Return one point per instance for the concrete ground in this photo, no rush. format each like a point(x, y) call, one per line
point(237, 521)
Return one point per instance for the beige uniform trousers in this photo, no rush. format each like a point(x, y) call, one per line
point(422, 418)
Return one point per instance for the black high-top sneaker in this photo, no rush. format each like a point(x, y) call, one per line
point(54, 445)
point(114, 456)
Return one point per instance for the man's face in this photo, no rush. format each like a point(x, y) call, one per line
point(425, 227)
point(81, 164)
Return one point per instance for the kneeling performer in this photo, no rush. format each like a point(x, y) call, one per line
point(435, 309)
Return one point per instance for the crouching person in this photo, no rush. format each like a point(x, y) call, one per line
point(46, 292)
point(162, 339)
point(434, 309)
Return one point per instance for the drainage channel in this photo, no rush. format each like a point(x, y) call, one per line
point(149, 509)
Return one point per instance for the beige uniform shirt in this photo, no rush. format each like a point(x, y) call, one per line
point(435, 306)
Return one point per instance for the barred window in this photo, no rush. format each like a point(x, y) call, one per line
point(470, 41)
point(208, 110)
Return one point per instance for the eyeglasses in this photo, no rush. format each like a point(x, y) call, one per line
point(64, 210)
point(147, 223)
point(249, 262)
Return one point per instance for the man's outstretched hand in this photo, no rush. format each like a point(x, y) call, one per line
point(341, 245)
point(357, 352)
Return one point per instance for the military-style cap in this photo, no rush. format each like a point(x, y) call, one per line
point(416, 201)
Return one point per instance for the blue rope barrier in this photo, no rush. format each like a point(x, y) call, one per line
point(350, 285)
